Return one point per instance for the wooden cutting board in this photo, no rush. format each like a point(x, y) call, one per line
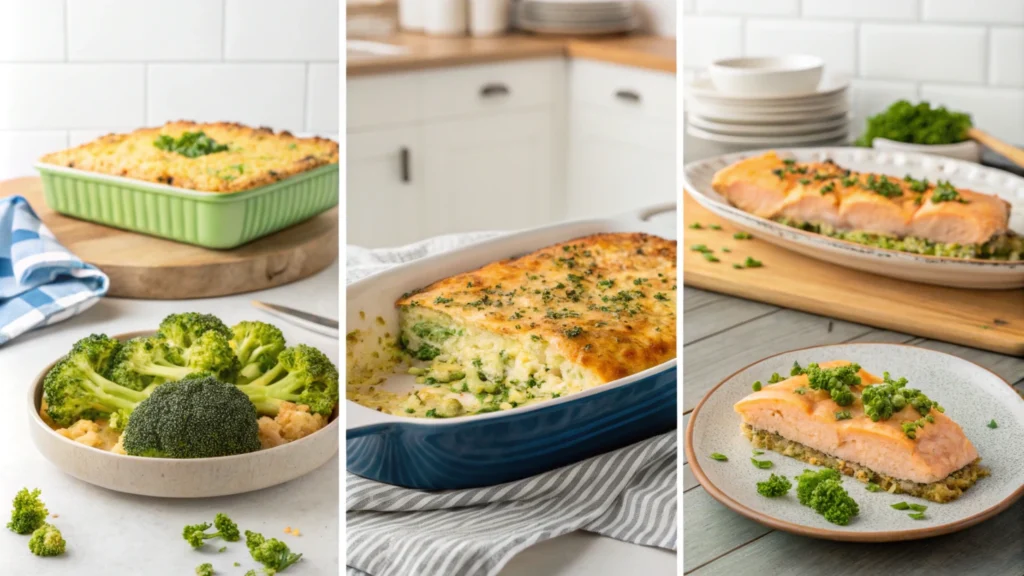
point(141, 266)
point(988, 319)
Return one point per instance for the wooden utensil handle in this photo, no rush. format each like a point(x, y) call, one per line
point(1014, 154)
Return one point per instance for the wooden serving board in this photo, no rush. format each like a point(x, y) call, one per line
point(988, 319)
point(141, 266)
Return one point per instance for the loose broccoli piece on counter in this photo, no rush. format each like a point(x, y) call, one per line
point(76, 387)
point(204, 570)
point(47, 541)
point(302, 375)
point(196, 535)
point(257, 345)
point(774, 486)
point(197, 417)
point(145, 361)
point(182, 330)
point(29, 512)
point(824, 492)
point(273, 554)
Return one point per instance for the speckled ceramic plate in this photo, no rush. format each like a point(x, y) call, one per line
point(952, 272)
point(179, 478)
point(970, 394)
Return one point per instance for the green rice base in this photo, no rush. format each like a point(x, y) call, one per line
point(945, 490)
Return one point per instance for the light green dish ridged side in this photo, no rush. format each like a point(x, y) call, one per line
point(205, 219)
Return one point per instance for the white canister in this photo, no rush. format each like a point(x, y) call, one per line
point(488, 17)
point(445, 17)
point(410, 14)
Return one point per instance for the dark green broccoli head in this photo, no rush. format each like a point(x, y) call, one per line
point(47, 541)
point(257, 345)
point(29, 512)
point(197, 417)
point(303, 375)
point(182, 330)
point(273, 554)
point(75, 387)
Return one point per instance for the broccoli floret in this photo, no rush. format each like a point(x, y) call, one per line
point(836, 381)
point(150, 361)
point(823, 491)
point(196, 535)
point(774, 486)
point(47, 541)
point(273, 554)
point(204, 570)
point(257, 345)
point(303, 375)
point(197, 417)
point(182, 330)
point(76, 389)
point(29, 512)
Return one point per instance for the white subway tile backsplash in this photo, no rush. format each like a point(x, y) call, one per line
point(928, 53)
point(980, 11)
point(322, 112)
point(689, 6)
point(20, 150)
point(749, 7)
point(154, 30)
point(1006, 57)
point(31, 31)
point(257, 94)
point(274, 30)
point(708, 38)
point(861, 9)
point(998, 111)
point(64, 96)
point(869, 97)
point(833, 41)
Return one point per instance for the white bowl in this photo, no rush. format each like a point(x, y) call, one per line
point(769, 76)
point(967, 150)
point(179, 478)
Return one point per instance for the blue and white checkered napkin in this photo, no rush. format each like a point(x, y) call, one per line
point(41, 282)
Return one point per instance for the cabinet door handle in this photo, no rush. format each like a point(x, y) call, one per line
point(406, 175)
point(493, 90)
point(628, 96)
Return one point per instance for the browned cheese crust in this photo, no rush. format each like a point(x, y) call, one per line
point(607, 301)
point(255, 157)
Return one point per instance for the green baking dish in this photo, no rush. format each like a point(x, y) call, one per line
point(208, 219)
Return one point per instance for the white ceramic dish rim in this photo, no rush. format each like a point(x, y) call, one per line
point(714, 126)
point(37, 389)
point(702, 87)
point(928, 148)
point(838, 132)
point(768, 64)
point(174, 190)
point(359, 416)
point(835, 242)
point(800, 529)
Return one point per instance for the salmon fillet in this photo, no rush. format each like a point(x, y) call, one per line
point(939, 449)
point(772, 187)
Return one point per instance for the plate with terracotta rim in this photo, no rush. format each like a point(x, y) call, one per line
point(939, 270)
point(971, 395)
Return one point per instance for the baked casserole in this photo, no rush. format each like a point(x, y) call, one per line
point(221, 157)
point(554, 322)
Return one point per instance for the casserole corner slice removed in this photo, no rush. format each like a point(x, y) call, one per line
point(837, 415)
point(552, 323)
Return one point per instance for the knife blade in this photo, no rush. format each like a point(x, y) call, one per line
point(311, 322)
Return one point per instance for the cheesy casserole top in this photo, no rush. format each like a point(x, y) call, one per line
point(253, 156)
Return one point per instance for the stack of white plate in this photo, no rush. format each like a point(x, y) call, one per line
point(812, 118)
point(576, 17)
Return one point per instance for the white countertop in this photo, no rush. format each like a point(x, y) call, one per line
point(113, 534)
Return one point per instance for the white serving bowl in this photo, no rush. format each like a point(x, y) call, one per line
point(179, 478)
point(967, 150)
point(767, 76)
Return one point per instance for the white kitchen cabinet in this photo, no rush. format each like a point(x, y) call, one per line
point(385, 193)
point(621, 139)
point(492, 173)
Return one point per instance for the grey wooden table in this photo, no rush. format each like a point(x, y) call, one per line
point(723, 333)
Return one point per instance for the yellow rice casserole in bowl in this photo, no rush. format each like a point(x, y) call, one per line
point(235, 157)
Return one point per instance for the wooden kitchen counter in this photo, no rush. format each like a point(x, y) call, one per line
point(424, 52)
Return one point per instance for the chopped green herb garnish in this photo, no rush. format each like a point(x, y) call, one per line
point(726, 249)
point(917, 515)
point(696, 226)
point(737, 266)
point(804, 181)
point(843, 415)
point(992, 424)
point(700, 248)
point(849, 181)
point(872, 487)
point(900, 506)
point(719, 457)
point(758, 452)
point(752, 263)
point(189, 144)
point(945, 192)
point(742, 236)
point(762, 464)
point(801, 391)
point(756, 386)
point(774, 486)
point(918, 507)
point(917, 124)
point(710, 257)
point(882, 186)
point(830, 187)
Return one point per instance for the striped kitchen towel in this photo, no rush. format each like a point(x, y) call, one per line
point(628, 494)
point(41, 283)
